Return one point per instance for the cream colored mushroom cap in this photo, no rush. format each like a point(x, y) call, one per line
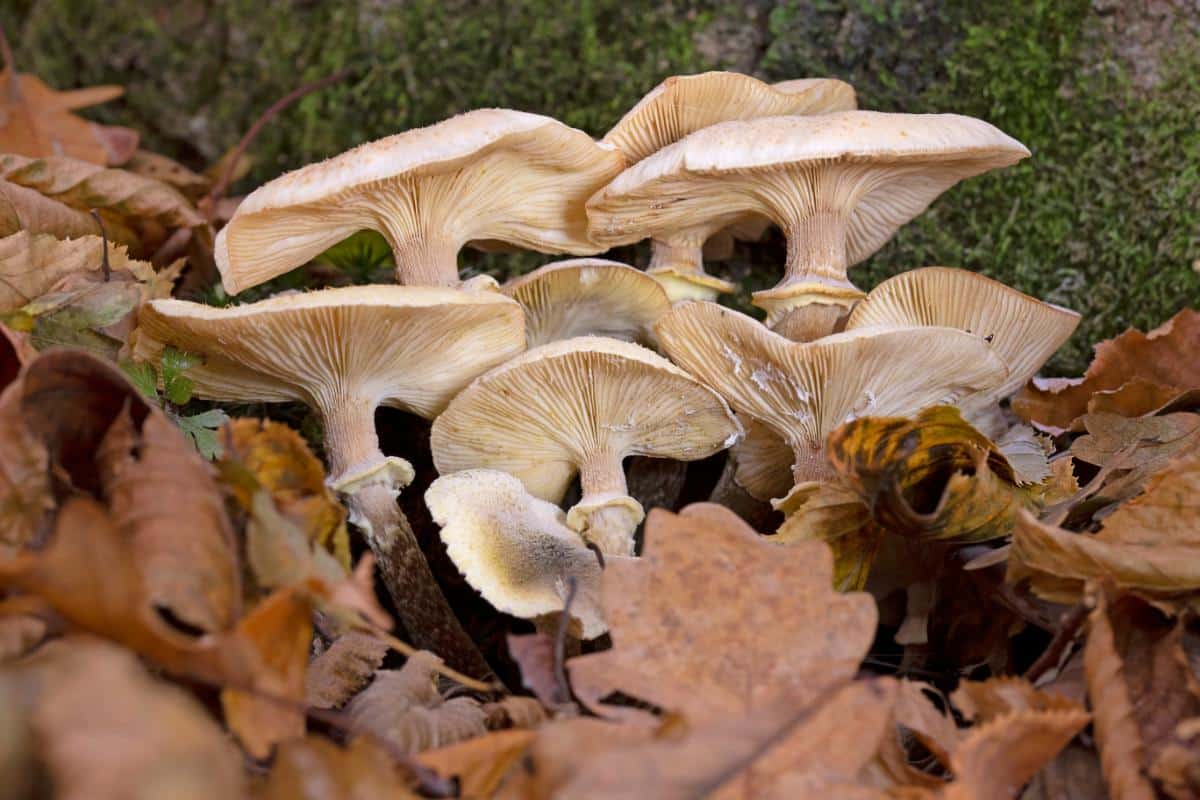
point(764, 461)
point(686, 103)
point(515, 549)
point(554, 408)
point(408, 347)
point(1023, 331)
point(803, 391)
point(879, 169)
point(490, 174)
point(587, 297)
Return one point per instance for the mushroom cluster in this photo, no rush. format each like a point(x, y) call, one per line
point(563, 373)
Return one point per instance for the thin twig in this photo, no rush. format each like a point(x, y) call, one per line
point(104, 265)
point(1068, 626)
point(407, 650)
point(14, 85)
point(222, 185)
point(560, 641)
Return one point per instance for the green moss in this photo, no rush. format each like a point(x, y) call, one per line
point(1103, 218)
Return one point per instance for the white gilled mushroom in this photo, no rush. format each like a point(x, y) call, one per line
point(839, 185)
point(491, 174)
point(587, 297)
point(582, 405)
point(515, 549)
point(684, 104)
point(802, 391)
point(1023, 331)
point(345, 352)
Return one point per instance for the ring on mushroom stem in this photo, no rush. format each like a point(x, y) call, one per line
point(684, 104)
point(582, 406)
point(838, 184)
point(490, 176)
point(344, 352)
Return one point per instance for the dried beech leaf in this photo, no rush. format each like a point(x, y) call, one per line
point(792, 636)
point(1177, 767)
point(24, 485)
point(24, 210)
point(341, 671)
point(1146, 369)
point(32, 264)
point(20, 633)
point(37, 121)
point(313, 768)
point(107, 730)
point(279, 633)
point(534, 654)
point(984, 701)
point(157, 166)
point(479, 764)
point(1133, 449)
point(1150, 543)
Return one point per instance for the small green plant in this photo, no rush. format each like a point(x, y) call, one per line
point(176, 392)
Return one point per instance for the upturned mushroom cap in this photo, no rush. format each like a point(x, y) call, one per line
point(582, 406)
point(764, 461)
point(803, 391)
point(684, 104)
point(1023, 331)
point(839, 185)
point(587, 297)
point(491, 174)
point(342, 351)
point(516, 549)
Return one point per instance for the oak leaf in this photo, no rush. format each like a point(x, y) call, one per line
point(1132, 374)
point(37, 121)
point(479, 764)
point(313, 768)
point(716, 620)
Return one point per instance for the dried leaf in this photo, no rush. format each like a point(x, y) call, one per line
point(37, 121)
point(479, 764)
point(24, 486)
point(20, 633)
point(107, 730)
point(534, 654)
point(514, 712)
point(1150, 543)
point(316, 769)
point(1177, 767)
point(835, 514)
point(1133, 449)
point(404, 708)
point(342, 670)
point(154, 165)
point(32, 264)
point(24, 210)
point(1075, 772)
point(984, 701)
point(791, 636)
point(1139, 371)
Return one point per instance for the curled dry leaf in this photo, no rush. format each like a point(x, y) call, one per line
point(341, 671)
point(261, 454)
point(1177, 767)
point(835, 514)
point(1150, 543)
point(31, 264)
point(24, 486)
point(984, 701)
point(404, 708)
point(37, 121)
point(480, 764)
point(1132, 374)
point(313, 768)
point(26, 210)
point(792, 636)
point(1141, 686)
point(106, 730)
point(1133, 449)
point(534, 654)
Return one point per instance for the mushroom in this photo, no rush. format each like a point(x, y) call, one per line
point(1023, 331)
point(491, 174)
point(345, 352)
point(684, 104)
point(803, 390)
point(587, 296)
point(839, 185)
point(581, 406)
point(515, 549)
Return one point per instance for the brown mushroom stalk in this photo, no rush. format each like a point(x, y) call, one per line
point(677, 262)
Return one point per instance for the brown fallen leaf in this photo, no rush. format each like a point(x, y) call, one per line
point(534, 654)
point(480, 764)
point(32, 264)
point(346, 667)
point(1176, 769)
point(1134, 373)
point(984, 701)
point(37, 121)
point(404, 708)
point(106, 730)
point(1074, 772)
point(24, 486)
point(835, 514)
point(313, 768)
point(20, 633)
point(1150, 543)
point(514, 711)
point(1141, 687)
point(261, 454)
point(26, 210)
point(169, 171)
point(778, 630)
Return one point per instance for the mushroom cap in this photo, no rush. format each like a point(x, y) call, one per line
point(803, 391)
point(490, 174)
point(587, 297)
point(686, 103)
point(879, 169)
point(515, 549)
point(408, 347)
point(557, 407)
point(1023, 331)
point(764, 461)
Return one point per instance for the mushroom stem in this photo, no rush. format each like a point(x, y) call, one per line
point(677, 262)
point(421, 259)
point(353, 449)
point(606, 515)
point(603, 474)
point(611, 528)
point(811, 465)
